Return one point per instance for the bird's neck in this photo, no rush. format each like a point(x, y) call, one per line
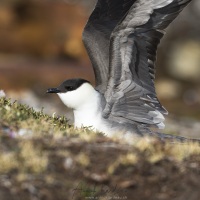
point(89, 113)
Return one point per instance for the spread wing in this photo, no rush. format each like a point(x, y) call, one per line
point(96, 36)
point(130, 93)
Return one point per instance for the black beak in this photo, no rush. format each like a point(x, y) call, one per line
point(53, 90)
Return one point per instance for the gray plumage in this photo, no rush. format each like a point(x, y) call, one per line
point(121, 38)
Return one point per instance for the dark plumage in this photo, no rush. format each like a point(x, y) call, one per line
point(68, 85)
point(121, 38)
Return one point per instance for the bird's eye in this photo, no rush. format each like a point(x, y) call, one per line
point(69, 88)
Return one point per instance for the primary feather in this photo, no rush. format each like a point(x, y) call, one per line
point(121, 38)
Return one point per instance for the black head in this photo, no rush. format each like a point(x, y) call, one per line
point(68, 85)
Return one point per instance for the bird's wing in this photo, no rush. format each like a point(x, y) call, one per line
point(96, 36)
point(130, 93)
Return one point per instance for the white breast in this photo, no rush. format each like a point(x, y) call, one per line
point(89, 113)
point(85, 102)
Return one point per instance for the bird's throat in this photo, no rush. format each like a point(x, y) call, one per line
point(89, 114)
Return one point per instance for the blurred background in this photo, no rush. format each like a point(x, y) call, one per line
point(40, 46)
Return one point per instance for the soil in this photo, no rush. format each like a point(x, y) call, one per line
point(92, 177)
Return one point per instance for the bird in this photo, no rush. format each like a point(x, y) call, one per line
point(121, 38)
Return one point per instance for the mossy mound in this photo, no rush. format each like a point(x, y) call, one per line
point(42, 157)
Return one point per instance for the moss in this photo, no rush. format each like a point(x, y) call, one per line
point(25, 158)
point(8, 162)
point(14, 114)
point(83, 159)
point(125, 160)
point(25, 155)
point(31, 158)
point(17, 116)
point(156, 151)
point(185, 150)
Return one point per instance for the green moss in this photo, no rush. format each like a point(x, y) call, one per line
point(17, 116)
point(14, 114)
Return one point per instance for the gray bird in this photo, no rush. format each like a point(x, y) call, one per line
point(121, 38)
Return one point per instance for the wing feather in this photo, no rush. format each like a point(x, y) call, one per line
point(130, 94)
point(96, 36)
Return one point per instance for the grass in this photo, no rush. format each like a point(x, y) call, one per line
point(46, 154)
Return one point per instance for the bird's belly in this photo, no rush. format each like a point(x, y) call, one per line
point(87, 120)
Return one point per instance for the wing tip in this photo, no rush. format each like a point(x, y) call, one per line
point(158, 118)
point(161, 125)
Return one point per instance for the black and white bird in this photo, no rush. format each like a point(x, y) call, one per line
point(121, 38)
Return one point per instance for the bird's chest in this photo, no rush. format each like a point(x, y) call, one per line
point(87, 118)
